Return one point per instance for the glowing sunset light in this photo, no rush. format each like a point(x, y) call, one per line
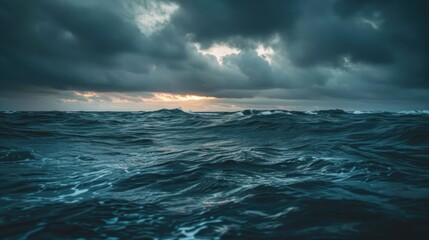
point(166, 97)
point(86, 94)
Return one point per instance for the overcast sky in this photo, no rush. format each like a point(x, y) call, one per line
point(214, 55)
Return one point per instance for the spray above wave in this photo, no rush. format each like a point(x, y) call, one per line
point(246, 174)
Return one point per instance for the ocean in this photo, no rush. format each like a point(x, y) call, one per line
point(171, 174)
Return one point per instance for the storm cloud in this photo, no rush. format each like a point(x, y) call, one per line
point(303, 50)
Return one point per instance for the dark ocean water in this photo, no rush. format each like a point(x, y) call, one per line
point(170, 174)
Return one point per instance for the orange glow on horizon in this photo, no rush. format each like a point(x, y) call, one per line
point(86, 94)
point(167, 97)
point(148, 101)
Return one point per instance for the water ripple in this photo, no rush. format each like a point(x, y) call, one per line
point(252, 174)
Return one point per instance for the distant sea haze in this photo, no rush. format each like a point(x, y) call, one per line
point(253, 174)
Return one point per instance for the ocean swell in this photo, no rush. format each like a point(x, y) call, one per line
point(252, 174)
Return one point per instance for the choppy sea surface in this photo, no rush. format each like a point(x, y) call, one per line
point(171, 174)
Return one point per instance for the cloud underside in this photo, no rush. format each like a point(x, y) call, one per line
point(336, 50)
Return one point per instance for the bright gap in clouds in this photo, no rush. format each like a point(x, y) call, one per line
point(217, 50)
point(221, 50)
point(266, 53)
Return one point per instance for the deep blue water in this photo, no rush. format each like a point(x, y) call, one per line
point(170, 174)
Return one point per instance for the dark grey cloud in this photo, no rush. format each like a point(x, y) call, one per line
point(386, 34)
point(326, 50)
point(211, 21)
point(405, 34)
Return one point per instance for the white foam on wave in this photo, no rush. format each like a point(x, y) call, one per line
point(281, 112)
point(414, 112)
point(9, 112)
point(266, 113)
point(311, 112)
point(360, 112)
point(274, 112)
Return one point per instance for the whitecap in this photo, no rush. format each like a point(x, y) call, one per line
point(311, 112)
point(360, 112)
point(265, 113)
point(414, 112)
point(9, 112)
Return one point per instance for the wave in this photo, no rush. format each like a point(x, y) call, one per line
point(214, 175)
